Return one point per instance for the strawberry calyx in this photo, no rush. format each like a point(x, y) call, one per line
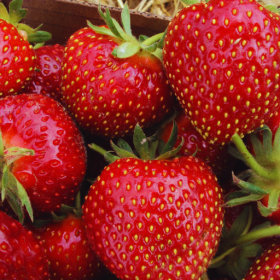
point(15, 15)
point(262, 180)
point(146, 148)
point(129, 44)
point(10, 187)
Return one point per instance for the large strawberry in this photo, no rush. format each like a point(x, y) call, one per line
point(267, 266)
point(154, 218)
point(17, 54)
point(47, 77)
point(21, 256)
point(41, 151)
point(111, 81)
point(222, 60)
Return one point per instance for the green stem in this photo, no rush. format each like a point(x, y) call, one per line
point(219, 258)
point(251, 161)
point(153, 39)
point(256, 235)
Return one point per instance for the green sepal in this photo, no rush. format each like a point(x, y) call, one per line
point(141, 143)
point(142, 38)
point(153, 149)
point(4, 13)
point(190, 2)
point(272, 8)
point(151, 48)
point(116, 29)
point(171, 153)
point(14, 153)
point(121, 152)
point(39, 37)
point(240, 223)
point(16, 12)
point(217, 264)
point(236, 194)
point(161, 41)
point(35, 47)
point(5, 181)
point(125, 16)
point(258, 147)
point(158, 53)
point(244, 199)
point(249, 187)
point(161, 146)
point(261, 226)
point(126, 49)
point(110, 158)
point(101, 30)
point(16, 207)
point(235, 153)
point(265, 211)
point(124, 145)
point(276, 144)
point(101, 13)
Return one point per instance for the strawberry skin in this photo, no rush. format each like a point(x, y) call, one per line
point(54, 174)
point(47, 77)
point(222, 60)
point(17, 60)
point(67, 248)
point(267, 266)
point(21, 256)
point(157, 219)
point(109, 95)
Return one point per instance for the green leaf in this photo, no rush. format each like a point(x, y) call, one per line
point(1, 146)
point(236, 194)
point(158, 53)
point(272, 8)
point(265, 211)
point(243, 200)
point(5, 181)
point(110, 157)
point(190, 2)
point(39, 37)
point(121, 152)
point(4, 13)
point(13, 202)
point(235, 153)
point(16, 12)
point(273, 199)
point(172, 139)
point(161, 145)
point(263, 225)
point(151, 48)
point(14, 153)
point(125, 16)
point(240, 267)
point(112, 25)
point(249, 187)
point(276, 144)
point(153, 149)
point(124, 145)
point(127, 49)
point(101, 13)
point(267, 142)
point(251, 250)
point(258, 147)
point(142, 38)
point(101, 30)
point(141, 143)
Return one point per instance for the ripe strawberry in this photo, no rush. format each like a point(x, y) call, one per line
point(214, 155)
point(222, 60)
point(108, 93)
point(154, 218)
point(21, 257)
point(267, 266)
point(38, 125)
point(47, 77)
point(67, 249)
point(17, 54)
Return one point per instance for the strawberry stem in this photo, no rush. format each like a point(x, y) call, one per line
point(153, 39)
point(250, 160)
point(220, 257)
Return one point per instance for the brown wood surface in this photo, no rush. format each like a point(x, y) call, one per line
point(63, 17)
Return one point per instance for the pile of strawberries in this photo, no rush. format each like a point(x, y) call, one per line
point(151, 158)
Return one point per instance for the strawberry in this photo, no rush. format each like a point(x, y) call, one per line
point(214, 155)
point(111, 81)
point(67, 248)
point(42, 153)
point(17, 54)
point(21, 256)
point(222, 60)
point(267, 266)
point(154, 218)
point(47, 78)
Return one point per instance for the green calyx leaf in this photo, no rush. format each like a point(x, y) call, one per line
point(39, 37)
point(126, 49)
point(272, 8)
point(16, 13)
point(190, 2)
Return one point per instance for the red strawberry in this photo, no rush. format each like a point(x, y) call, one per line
point(109, 93)
point(67, 249)
point(47, 78)
point(21, 257)
point(154, 218)
point(214, 155)
point(17, 55)
point(222, 60)
point(267, 266)
point(54, 174)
